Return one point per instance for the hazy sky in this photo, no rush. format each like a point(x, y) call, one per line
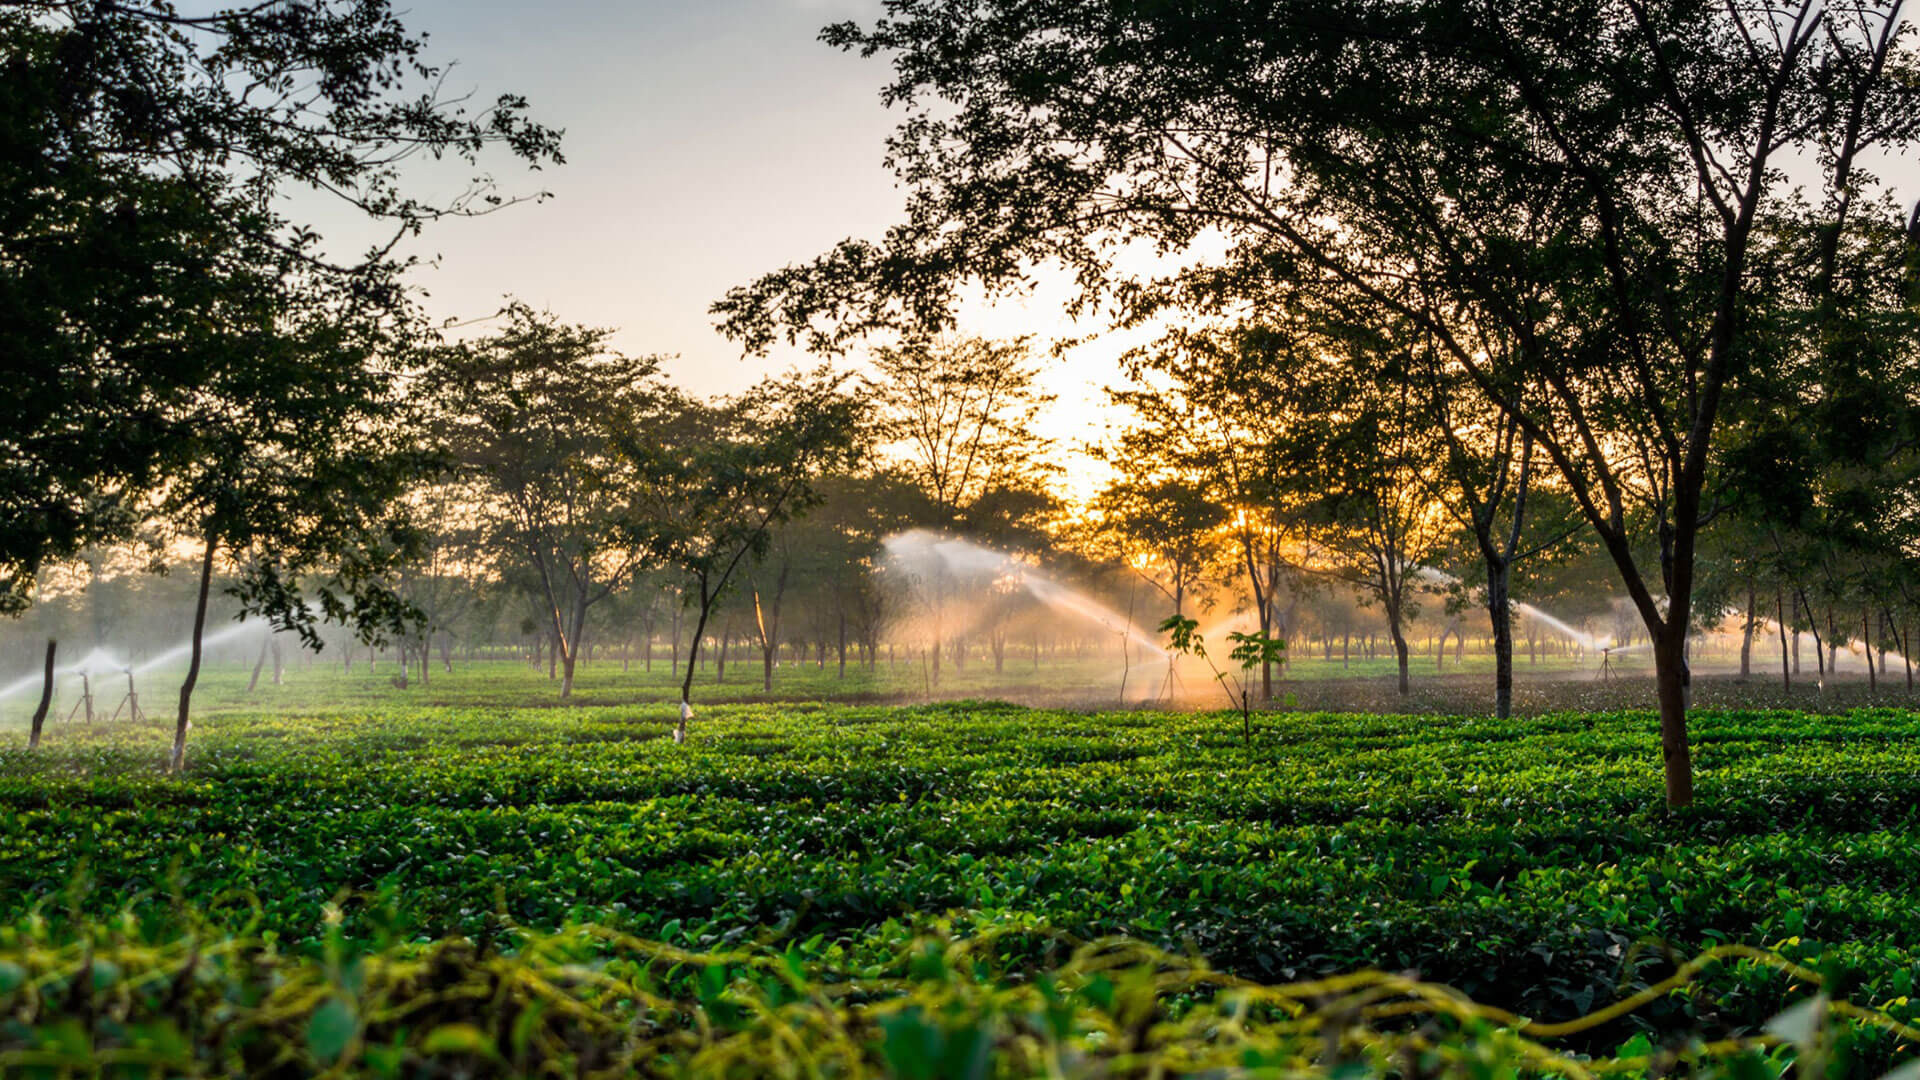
point(706, 144)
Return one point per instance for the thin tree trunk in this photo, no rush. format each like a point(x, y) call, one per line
point(693, 653)
point(259, 663)
point(1500, 613)
point(570, 645)
point(178, 760)
point(1866, 651)
point(1906, 653)
point(1746, 635)
point(46, 701)
point(1780, 613)
point(1399, 647)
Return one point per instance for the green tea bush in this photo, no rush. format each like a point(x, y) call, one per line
point(102, 1000)
point(1527, 862)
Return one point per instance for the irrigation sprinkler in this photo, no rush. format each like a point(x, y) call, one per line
point(1606, 663)
point(131, 703)
point(86, 699)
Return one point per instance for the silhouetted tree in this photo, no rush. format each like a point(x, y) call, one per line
point(143, 218)
point(532, 413)
point(1601, 182)
point(710, 483)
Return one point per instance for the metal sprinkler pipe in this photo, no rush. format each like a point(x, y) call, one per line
point(86, 697)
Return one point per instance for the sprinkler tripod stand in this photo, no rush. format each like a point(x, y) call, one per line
point(86, 699)
point(1170, 683)
point(131, 703)
point(1606, 664)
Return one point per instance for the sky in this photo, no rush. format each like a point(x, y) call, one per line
point(707, 143)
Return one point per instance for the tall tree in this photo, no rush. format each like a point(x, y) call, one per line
point(1170, 530)
point(1359, 451)
point(1598, 180)
point(1203, 418)
point(149, 152)
point(711, 482)
point(294, 457)
point(532, 414)
point(959, 414)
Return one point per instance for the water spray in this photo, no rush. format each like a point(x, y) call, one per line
point(920, 550)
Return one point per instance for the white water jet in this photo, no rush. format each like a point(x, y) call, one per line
point(101, 662)
point(1559, 626)
point(186, 648)
point(918, 550)
point(1587, 641)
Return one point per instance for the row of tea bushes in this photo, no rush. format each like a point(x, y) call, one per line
point(1528, 862)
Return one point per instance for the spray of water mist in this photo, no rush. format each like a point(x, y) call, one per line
point(924, 555)
point(1544, 618)
point(102, 662)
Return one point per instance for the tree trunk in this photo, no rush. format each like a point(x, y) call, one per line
point(570, 644)
point(1672, 678)
point(1866, 651)
point(693, 653)
point(1399, 649)
point(279, 665)
point(1746, 636)
point(1780, 620)
point(46, 701)
point(1266, 666)
point(843, 644)
point(178, 761)
point(933, 677)
point(1500, 614)
point(1813, 628)
point(1906, 654)
point(259, 664)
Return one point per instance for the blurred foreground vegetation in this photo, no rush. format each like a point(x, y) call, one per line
point(591, 1002)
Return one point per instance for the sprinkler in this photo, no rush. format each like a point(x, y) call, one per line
point(131, 703)
point(86, 699)
point(1606, 664)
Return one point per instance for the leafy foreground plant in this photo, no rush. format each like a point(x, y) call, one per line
point(590, 1001)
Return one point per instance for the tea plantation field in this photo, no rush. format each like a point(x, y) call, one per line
point(1529, 863)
